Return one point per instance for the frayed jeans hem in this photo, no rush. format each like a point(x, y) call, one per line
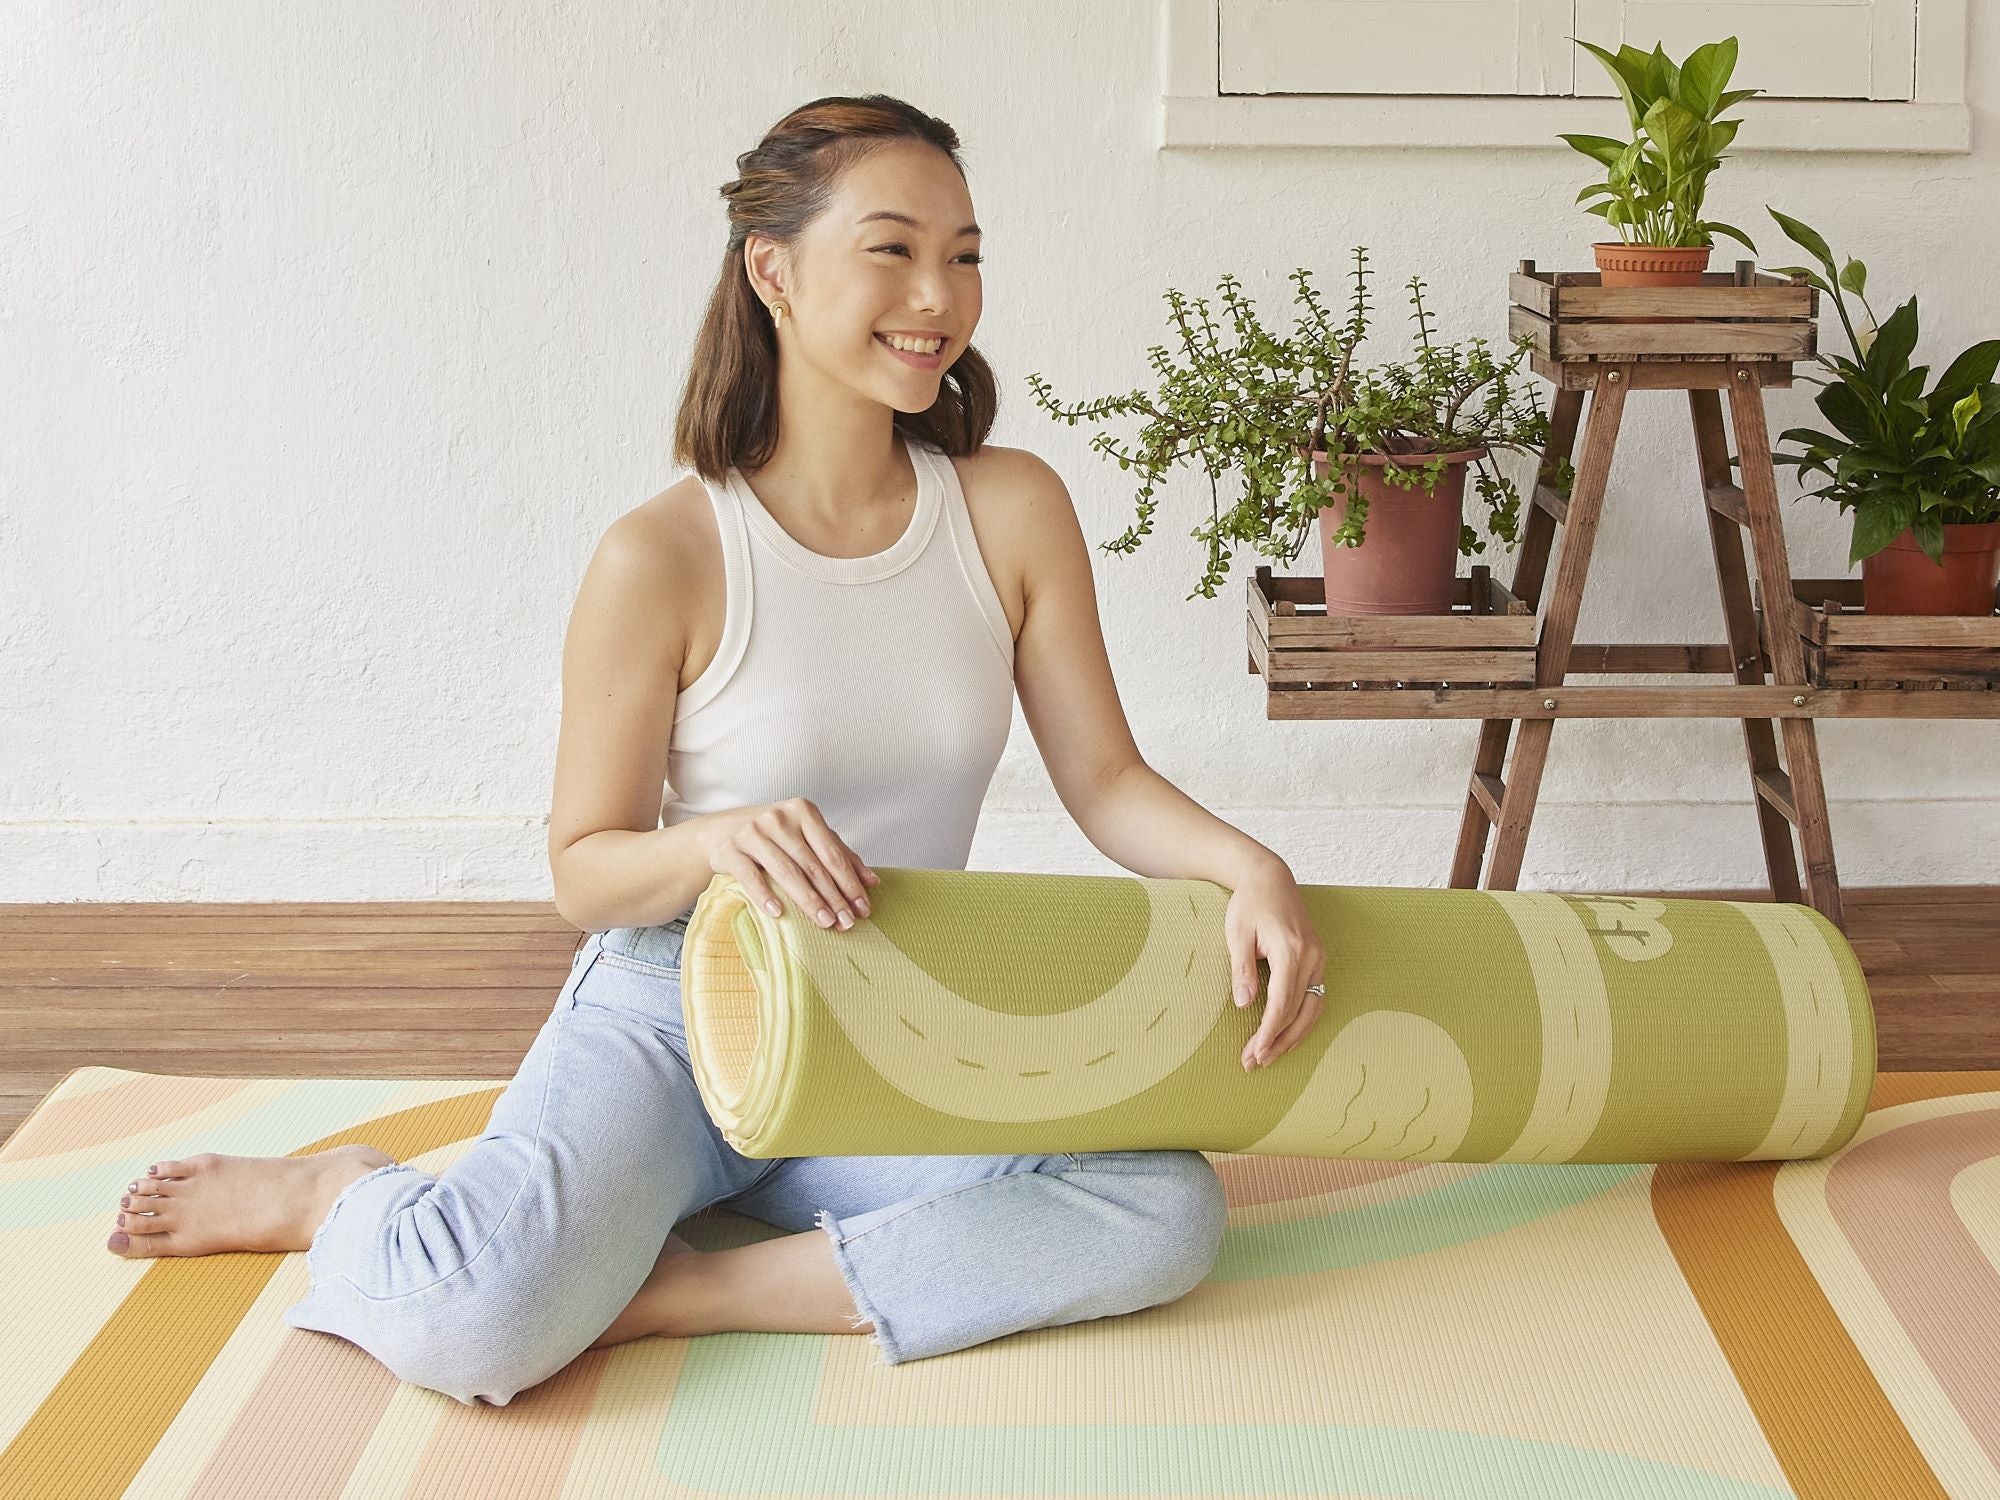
point(866, 1313)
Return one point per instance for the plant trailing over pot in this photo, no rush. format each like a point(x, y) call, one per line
point(1920, 470)
point(1319, 437)
point(1655, 184)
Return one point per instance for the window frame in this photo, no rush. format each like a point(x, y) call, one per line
point(1195, 114)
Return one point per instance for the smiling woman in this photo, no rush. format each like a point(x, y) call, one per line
point(804, 642)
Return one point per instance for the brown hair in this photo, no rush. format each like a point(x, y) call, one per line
point(729, 407)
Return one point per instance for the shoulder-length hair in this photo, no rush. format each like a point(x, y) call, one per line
point(729, 407)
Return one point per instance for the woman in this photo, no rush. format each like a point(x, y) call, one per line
point(815, 639)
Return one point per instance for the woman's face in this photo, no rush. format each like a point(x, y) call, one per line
point(858, 277)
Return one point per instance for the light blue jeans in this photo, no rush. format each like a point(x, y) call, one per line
point(491, 1276)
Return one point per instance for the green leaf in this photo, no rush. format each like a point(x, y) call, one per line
point(1597, 147)
point(1631, 81)
point(1704, 75)
point(1972, 368)
point(1854, 277)
point(1734, 96)
point(1889, 356)
point(1662, 77)
point(1672, 129)
point(1929, 527)
point(1738, 235)
point(1963, 413)
point(1804, 235)
point(1813, 278)
point(1878, 523)
point(1841, 405)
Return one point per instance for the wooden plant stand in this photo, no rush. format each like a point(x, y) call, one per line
point(1737, 332)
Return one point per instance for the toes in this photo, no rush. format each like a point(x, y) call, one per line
point(171, 1169)
point(145, 1222)
point(140, 1247)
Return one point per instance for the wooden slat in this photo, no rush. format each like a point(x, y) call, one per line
point(1491, 792)
point(1665, 372)
point(1727, 499)
point(1792, 303)
point(1626, 701)
point(1295, 667)
point(1775, 787)
point(1623, 340)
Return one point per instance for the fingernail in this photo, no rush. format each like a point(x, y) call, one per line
point(861, 905)
point(772, 907)
point(825, 918)
point(846, 920)
point(119, 1241)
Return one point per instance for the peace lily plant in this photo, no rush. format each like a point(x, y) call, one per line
point(1375, 454)
point(1919, 469)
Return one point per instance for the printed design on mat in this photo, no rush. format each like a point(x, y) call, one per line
point(1819, 1032)
point(1418, 1091)
point(1631, 927)
point(976, 1063)
point(1813, 1327)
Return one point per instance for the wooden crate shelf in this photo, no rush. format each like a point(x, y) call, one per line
point(1847, 648)
point(1488, 639)
point(1743, 317)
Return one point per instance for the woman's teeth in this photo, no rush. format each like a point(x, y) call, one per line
point(912, 346)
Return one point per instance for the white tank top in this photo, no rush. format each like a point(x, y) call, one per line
point(879, 687)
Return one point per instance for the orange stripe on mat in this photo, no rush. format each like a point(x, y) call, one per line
point(105, 1416)
point(1830, 1425)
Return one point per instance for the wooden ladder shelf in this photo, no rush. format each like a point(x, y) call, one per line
point(1737, 333)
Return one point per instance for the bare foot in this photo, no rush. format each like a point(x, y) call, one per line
point(209, 1204)
point(647, 1311)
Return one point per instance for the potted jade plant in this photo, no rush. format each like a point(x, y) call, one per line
point(1654, 184)
point(1919, 469)
point(1376, 456)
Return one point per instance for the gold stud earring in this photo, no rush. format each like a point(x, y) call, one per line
point(778, 311)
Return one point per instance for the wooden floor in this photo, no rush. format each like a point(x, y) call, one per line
point(457, 989)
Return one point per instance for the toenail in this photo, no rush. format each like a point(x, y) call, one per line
point(119, 1241)
point(121, 1221)
point(131, 1187)
point(126, 1201)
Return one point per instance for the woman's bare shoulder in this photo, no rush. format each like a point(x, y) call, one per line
point(666, 554)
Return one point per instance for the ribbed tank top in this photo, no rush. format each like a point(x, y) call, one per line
point(879, 687)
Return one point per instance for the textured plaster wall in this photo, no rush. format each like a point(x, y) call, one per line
point(332, 337)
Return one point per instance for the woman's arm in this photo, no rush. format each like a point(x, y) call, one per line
point(611, 862)
point(1126, 808)
point(1063, 676)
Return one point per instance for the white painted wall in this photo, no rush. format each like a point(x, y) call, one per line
point(331, 340)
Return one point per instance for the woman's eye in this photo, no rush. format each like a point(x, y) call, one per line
point(973, 258)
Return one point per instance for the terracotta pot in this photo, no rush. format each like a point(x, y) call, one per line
point(1902, 580)
point(1408, 557)
point(1619, 264)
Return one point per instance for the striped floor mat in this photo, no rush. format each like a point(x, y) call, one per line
point(1370, 1329)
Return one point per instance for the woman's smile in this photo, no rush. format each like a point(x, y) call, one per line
point(909, 357)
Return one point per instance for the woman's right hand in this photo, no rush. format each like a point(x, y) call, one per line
point(790, 843)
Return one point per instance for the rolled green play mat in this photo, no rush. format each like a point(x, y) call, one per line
point(1001, 1012)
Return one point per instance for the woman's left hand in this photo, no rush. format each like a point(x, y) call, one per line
point(1266, 917)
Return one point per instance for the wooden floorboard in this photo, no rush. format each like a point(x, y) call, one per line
point(443, 989)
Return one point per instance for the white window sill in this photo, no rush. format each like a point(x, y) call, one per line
point(1192, 121)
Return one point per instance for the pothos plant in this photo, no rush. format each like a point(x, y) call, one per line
point(1654, 184)
point(1263, 404)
